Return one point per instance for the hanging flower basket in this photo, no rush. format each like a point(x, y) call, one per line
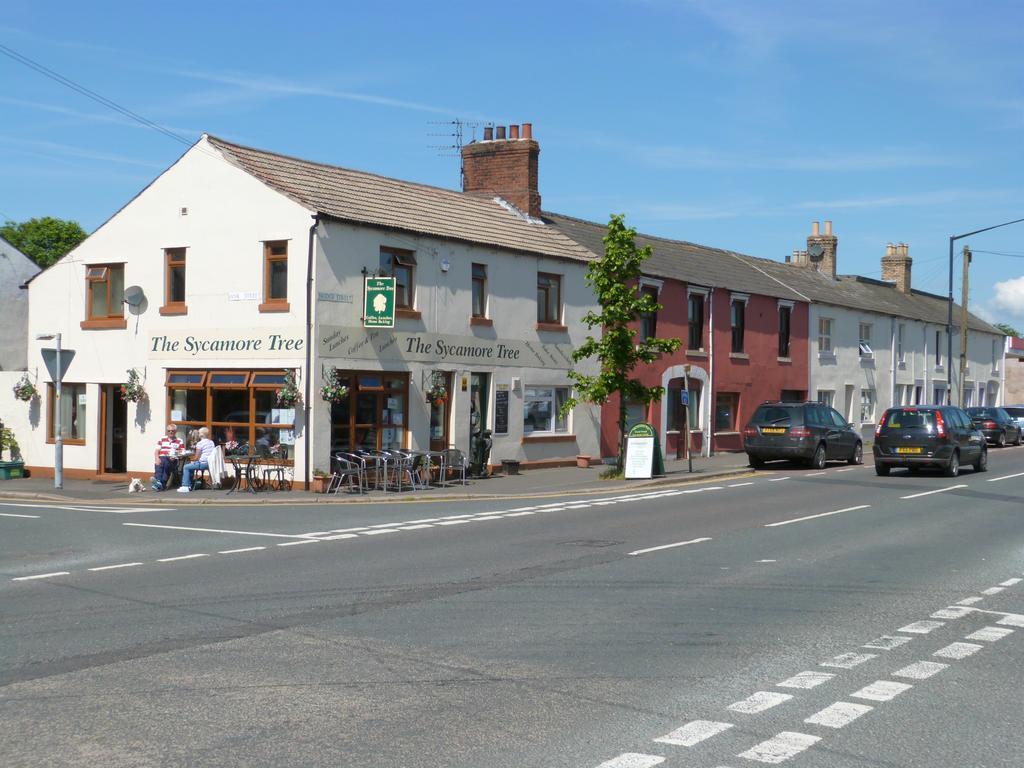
point(333, 391)
point(437, 394)
point(289, 395)
point(133, 391)
point(25, 390)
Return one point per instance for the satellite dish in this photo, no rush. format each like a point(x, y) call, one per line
point(133, 296)
point(815, 251)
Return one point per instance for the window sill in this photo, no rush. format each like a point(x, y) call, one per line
point(696, 353)
point(829, 357)
point(104, 323)
point(552, 327)
point(867, 361)
point(173, 309)
point(785, 360)
point(739, 356)
point(65, 441)
point(481, 321)
point(726, 433)
point(275, 306)
point(548, 437)
point(939, 369)
point(407, 314)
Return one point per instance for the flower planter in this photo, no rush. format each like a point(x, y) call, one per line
point(12, 470)
point(319, 484)
point(583, 462)
point(510, 467)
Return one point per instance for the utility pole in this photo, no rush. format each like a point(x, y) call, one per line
point(963, 327)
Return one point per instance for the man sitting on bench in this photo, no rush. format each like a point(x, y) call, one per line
point(168, 449)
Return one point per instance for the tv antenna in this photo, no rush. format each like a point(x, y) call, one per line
point(456, 133)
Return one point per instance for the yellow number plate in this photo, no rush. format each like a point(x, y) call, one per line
point(773, 431)
point(908, 450)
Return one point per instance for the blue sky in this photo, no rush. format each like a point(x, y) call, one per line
point(732, 124)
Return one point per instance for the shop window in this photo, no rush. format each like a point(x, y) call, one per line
point(374, 416)
point(695, 338)
point(400, 265)
point(71, 410)
point(549, 299)
point(479, 291)
point(726, 407)
point(541, 410)
point(105, 297)
point(275, 276)
point(649, 320)
point(174, 282)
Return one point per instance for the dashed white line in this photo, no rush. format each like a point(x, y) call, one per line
point(990, 634)
point(294, 543)
point(759, 702)
point(806, 680)
point(1009, 582)
point(992, 590)
point(929, 493)
point(816, 474)
point(419, 527)
point(633, 760)
point(1012, 620)
point(668, 546)
point(447, 522)
point(180, 557)
point(341, 536)
point(778, 479)
point(519, 514)
point(920, 670)
point(881, 690)
point(837, 715)
point(952, 612)
point(487, 517)
point(11, 514)
point(848, 469)
point(812, 517)
point(921, 627)
point(378, 531)
point(780, 747)
point(42, 576)
point(848, 660)
point(969, 600)
point(887, 642)
point(215, 530)
point(112, 567)
point(1005, 477)
point(238, 551)
point(738, 485)
point(958, 650)
point(693, 733)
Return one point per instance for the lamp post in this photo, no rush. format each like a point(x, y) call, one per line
point(58, 437)
point(949, 315)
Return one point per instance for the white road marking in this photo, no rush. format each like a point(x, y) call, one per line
point(519, 514)
point(759, 702)
point(42, 576)
point(456, 517)
point(806, 680)
point(236, 551)
point(1009, 582)
point(693, 733)
point(1005, 477)
point(969, 600)
point(738, 485)
point(341, 536)
point(632, 760)
point(11, 514)
point(848, 469)
point(668, 546)
point(767, 561)
point(952, 612)
point(484, 517)
point(881, 690)
point(577, 506)
point(848, 660)
point(293, 543)
point(816, 474)
point(517, 509)
point(839, 714)
point(364, 528)
point(937, 490)
point(887, 642)
point(216, 530)
point(377, 531)
point(812, 517)
point(392, 525)
point(958, 651)
point(602, 503)
point(419, 527)
point(992, 590)
point(112, 567)
point(85, 508)
point(780, 747)
point(181, 557)
point(778, 479)
point(921, 627)
point(407, 522)
point(1012, 620)
point(449, 522)
point(920, 670)
point(990, 634)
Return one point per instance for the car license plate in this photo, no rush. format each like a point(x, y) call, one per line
point(908, 450)
point(773, 430)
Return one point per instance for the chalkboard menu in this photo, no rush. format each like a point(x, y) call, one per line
point(501, 409)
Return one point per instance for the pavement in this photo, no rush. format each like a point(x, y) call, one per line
point(529, 483)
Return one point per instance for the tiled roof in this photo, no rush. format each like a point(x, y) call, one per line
point(365, 198)
point(717, 268)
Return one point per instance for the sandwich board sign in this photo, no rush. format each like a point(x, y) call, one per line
point(379, 303)
point(643, 453)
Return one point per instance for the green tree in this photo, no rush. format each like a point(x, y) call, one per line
point(43, 240)
point(1008, 329)
point(614, 278)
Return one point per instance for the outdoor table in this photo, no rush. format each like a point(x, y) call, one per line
point(251, 480)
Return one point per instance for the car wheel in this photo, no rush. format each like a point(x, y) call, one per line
point(858, 455)
point(882, 470)
point(982, 463)
point(1018, 440)
point(1001, 440)
point(952, 468)
point(818, 459)
point(755, 461)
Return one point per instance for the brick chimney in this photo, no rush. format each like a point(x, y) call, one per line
point(821, 250)
point(896, 266)
point(505, 167)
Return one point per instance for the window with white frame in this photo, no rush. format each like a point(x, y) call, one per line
point(901, 355)
point(541, 410)
point(825, 335)
point(867, 406)
point(940, 394)
point(968, 395)
point(899, 394)
point(938, 349)
point(827, 397)
point(995, 358)
point(864, 344)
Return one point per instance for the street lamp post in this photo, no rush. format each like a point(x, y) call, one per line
point(949, 314)
point(58, 437)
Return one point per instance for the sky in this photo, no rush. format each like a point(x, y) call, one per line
point(728, 123)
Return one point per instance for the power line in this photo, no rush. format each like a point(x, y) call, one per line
point(1000, 253)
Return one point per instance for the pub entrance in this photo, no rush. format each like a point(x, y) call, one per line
point(113, 458)
point(479, 390)
point(440, 408)
point(374, 416)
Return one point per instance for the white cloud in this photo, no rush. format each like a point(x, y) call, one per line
point(1009, 297)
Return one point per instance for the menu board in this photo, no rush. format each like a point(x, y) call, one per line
point(501, 409)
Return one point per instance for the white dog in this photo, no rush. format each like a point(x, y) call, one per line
point(136, 486)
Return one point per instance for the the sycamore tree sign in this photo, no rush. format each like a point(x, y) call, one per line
point(379, 305)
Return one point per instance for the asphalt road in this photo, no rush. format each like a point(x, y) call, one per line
point(831, 619)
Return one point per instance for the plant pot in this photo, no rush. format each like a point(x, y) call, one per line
point(583, 462)
point(318, 484)
point(510, 467)
point(12, 470)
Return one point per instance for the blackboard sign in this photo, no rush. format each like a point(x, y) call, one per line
point(501, 409)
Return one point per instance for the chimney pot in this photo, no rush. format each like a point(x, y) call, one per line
point(527, 130)
point(513, 131)
point(814, 229)
point(788, 257)
point(828, 227)
point(500, 130)
point(488, 133)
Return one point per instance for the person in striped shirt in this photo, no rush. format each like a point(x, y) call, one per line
point(168, 449)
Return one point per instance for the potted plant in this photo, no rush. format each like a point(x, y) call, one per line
point(583, 462)
point(319, 481)
point(14, 468)
point(288, 396)
point(333, 391)
point(132, 391)
point(437, 394)
point(25, 390)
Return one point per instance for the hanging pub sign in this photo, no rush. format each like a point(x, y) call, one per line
point(643, 453)
point(379, 303)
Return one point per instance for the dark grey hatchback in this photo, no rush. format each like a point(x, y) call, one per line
point(810, 432)
point(928, 435)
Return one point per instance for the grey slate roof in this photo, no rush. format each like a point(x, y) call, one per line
point(365, 198)
point(717, 268)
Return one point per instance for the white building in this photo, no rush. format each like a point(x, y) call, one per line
point(250, 265)
point(15, 270)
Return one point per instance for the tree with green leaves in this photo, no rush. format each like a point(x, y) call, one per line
point(43, 240)
point(1008, 329)
point(614, 278)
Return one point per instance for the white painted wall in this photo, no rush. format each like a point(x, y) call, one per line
point(15, 269)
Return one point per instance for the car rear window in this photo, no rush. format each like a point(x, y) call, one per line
point(981, 413)
point(912, 419)
point(1015, 412)
point(772, 414)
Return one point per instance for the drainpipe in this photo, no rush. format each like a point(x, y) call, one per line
point(309, 349)
point(892, 363)
point(709, 407)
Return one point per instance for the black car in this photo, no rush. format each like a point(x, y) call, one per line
point(998, 426)
point(928, 436)
point(1016, 413)
point(810, 432)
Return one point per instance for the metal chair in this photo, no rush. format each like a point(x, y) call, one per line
point(278, 468)
point(345, 469)
point(456, 463)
